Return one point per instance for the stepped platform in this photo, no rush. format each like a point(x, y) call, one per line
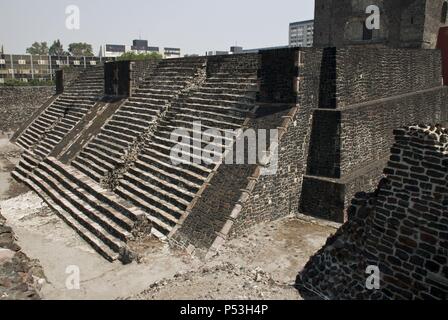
point(108, 168)
point(101, 218)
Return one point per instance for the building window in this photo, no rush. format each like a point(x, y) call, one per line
point(444, 12)
point(367, 34)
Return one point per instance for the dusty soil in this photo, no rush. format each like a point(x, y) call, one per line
point(261, 265)
point(20, 277)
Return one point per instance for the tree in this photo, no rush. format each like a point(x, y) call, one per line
point(38, 48)
point(80, 49)
point(140, 56)
point(57, 49)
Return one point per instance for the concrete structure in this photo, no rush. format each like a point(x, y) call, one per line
point(301, 34)
point(138, 47)
point(170, 53)
point(407, 23)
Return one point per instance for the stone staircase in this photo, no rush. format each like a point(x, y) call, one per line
point(152, 195)
point(104, 220)
point(105, 152)
point(165, 191)
point(50, 128)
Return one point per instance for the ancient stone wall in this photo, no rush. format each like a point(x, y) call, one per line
point(347, 140)
point(278, 70)
point(363, 75)
point(231, 63)
point(363, 95)
point(276, 196)
point(140, 71)
point(404, 23)
point(402, 229)
point(17, 104)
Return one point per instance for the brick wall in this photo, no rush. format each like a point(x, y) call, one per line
point(19, 103)
point(402, 229)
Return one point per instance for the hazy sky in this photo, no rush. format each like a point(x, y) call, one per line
point(195, 26)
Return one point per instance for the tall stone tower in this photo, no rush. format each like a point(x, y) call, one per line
point(403, 23)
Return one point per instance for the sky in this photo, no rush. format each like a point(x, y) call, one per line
point(195, 26)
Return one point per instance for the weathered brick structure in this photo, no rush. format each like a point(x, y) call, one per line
point(401, 228)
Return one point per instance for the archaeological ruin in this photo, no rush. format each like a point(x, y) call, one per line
point(401, 229)
point(99, 151)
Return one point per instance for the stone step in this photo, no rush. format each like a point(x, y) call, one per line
point(114, 147)
point(168, 196)
point(108, 157)
point(125, 130)
point(188, 170)
point(155, 215)
point(167, 129)
point(88, 172)
point(221, 117)
point(178, 123)
point(235, 111)
point(114, 139)
point(168, 211)
point(66, 200)
point(224, 85)
point(107, 217)
point(116, 209)
point(121, 136)
point(139, 122)
point(195, 165)
point(101, 146)
point(139, 117)
point(91, 166)
point(194, 143)
point(163, 171)
point(158, 182)
point(140, 111)
point(226, 103)
point(91, 238)
point(244, 97)
point(121, 123)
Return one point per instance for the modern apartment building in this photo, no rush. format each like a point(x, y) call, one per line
point(25, 67)
point(301, 33)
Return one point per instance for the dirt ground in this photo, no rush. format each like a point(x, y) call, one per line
point(261, 265)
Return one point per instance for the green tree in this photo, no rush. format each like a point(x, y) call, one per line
point(38, 48)
point(140, 56)
point(80, 49)
point(57, 49)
